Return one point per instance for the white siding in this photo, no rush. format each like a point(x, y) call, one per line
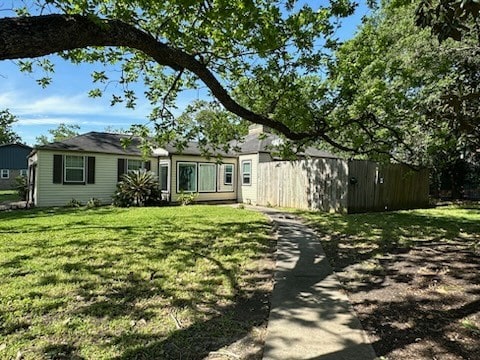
point(224, 192)
point(50, 194)
point(248, 193)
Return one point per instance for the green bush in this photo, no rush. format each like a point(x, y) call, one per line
point(187, 198)
point(93, 203)
point(21, 186)
point(137, 188)
point(74, 203)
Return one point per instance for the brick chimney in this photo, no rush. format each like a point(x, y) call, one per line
point(258, 129)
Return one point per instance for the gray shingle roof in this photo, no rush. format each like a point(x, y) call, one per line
point(109, 143)
point(100, 142)
point(252, 144)
point(95, 142)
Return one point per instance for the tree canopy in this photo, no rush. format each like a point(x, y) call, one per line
point(423, 96)
point(178, 44)
point(276, 63)
point(450, 18)
point(7, 134)
point(61, 132)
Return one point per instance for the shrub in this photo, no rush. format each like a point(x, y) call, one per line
point(74, 203)
point(93, 202)
point(187, 198)
point(137, 188)
point(21, 186)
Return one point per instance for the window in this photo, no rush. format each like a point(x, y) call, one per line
point(187, 177)
point(74, 169)
point(70, 169)
point(228, 174)
point(133, 165)
point(23, 172)
point(246, 172)
point(207, 177)
point(164, 176)
point(124, 166)
point(5, 173)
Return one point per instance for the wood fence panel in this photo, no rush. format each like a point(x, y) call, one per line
point(319, 184)
point(374, 187)
point(340, 186)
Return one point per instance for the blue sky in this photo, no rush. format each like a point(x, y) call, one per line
point(66, 100)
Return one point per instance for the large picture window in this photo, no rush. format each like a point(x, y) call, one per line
point(74, 169)
point(187, 177)
point(247, 172)
point(228, 174)
point(207, 177)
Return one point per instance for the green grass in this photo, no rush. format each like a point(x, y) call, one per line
point(111, 283)
point(348, 238)
point(8, 195)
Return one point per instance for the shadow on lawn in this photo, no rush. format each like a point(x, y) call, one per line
point(141, 291)
point(217, 324)
point(52, 211)
point(413, 279)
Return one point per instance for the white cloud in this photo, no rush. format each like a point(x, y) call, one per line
point(45, 121)
point(22, 105)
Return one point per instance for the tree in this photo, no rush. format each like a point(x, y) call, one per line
point(424, 94)
point(265, 48)
point(450, 18)
point(264, 61)
point(62, 132)
point(7, 135)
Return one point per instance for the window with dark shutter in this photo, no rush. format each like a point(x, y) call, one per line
point(91, 170)
point(57, 169)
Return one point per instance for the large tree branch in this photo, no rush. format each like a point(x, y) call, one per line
point(29, 37)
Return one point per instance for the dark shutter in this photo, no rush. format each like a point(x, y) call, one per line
point(121, 168)
point(91, 170)
point(148, 165)
point(57, 169)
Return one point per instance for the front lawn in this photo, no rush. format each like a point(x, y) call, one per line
point(138, 283)
point(413, 278)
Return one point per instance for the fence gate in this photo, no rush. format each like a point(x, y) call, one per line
point(373, 187)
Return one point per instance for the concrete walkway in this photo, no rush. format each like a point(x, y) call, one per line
point(310, 318)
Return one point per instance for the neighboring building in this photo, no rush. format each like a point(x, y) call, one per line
point(13, 163)
point(90, 165)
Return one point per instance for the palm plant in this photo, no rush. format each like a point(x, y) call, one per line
point(137, 188)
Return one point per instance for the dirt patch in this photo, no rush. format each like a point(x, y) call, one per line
point(420, 302)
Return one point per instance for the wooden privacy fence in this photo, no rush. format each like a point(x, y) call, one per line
point(374, 187)
point(336, 185)
point(317, 184)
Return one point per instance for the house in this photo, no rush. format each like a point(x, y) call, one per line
point(13, 163)
point(90, 165)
